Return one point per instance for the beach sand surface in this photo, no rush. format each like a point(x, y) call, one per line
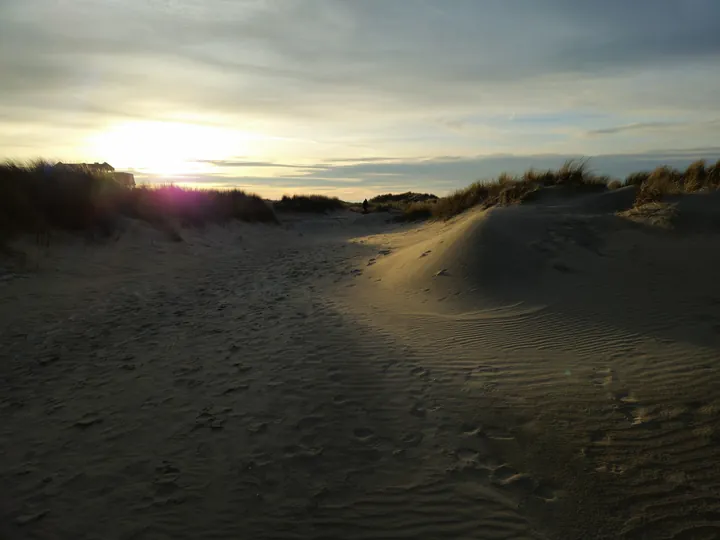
point(544, 371)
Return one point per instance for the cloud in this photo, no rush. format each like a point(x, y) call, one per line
point(386, 79)
point(639, 126)
point(316, 57)
point(269, 164)
point(653, 126)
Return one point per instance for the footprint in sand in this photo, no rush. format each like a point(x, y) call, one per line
point(411, 440)
point(522, 484)
point(471, 464)
point(498, 434)
point(88, 420)
point(26, 519)
point(419, 410)
point(600, 437)
point(258, 427)
point(309, 422)
point(209, 418)
point(364, 434)
point(546, 492)
point(626, 404)
point(603, 377)
point(420, 372)
point(188, 382)
point(564, 268)
point(296, 451)
point(467, 455)
point(471, 430)
point(235, 388)
point(167, 491)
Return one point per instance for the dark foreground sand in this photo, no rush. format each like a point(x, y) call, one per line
point(544, 371)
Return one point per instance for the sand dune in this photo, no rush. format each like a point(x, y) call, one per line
point(540, 371)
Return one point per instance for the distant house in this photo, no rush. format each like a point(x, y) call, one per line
point(122, 178)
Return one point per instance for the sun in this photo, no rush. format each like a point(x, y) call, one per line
point(166, 148)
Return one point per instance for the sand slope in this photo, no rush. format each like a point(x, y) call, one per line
point(598, 335)
point(545, 371)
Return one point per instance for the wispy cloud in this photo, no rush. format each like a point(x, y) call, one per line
point(652, 126)
point(238, 164)
point(639, 126)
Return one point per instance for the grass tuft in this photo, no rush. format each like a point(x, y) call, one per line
point(667, 182)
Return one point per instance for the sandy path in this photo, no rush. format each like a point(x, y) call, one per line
point(522, 374)
point(225, 396)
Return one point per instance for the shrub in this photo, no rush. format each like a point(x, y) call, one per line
point(695, 176)
point(407, 197)
point(309, 203)
point(416, 211)
point(636, 179)
point(40, 196)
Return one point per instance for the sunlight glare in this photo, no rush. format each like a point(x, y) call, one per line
point(168, 148)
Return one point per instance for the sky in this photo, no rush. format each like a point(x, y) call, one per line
point(358, 97)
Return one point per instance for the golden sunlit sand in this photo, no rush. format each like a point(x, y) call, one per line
point(547, 370)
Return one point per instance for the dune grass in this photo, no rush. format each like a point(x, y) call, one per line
point(309, 203)
point(574, 176)
point(407, 197)
point(37, 197)
point(666, 182)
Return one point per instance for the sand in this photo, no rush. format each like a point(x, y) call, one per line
point(546, 371)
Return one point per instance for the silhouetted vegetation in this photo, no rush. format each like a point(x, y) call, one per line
point(637, 178)
point(407, 197)
point(309, 203)
point(573, 177)
point(196, 207)
point(40, 196)
point(417, 211)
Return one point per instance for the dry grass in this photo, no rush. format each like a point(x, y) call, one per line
point(506, 189)
point(407, 198)
point(666, 182)
point(38, 197)
point(196, 207)
point(309, 203)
